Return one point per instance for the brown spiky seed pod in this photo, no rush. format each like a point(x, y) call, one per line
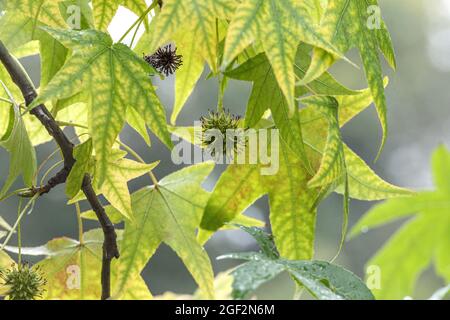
point(165, 60)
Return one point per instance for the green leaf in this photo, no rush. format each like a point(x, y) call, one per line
point(292, 212)
point(115, 187)
point(189, 73)
point(138, 124)
point(45, 11)
point(249, 276)
point(265, 240)
point(326, 281)
point(427, 232)
point(22, 157)
point(82, 154)
point(266, 94)
point(201, 23)
point(280, 26)
point(113, 78)
point(73, 270)
point(322, 279)
point(345, 25)
point(169, 212)
point(332, 167)
point(5, 260)
point(104, 10)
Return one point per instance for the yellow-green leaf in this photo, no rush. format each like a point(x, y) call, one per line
point(115, 187)
point(427, 232)
point(169, 212)
point(104, 10)
point(201, 22)
point(189, 73)
point(82, 154)
point(348, 24)
point(22, 157)
point(113, 78)
point(73, 271)
point(280, 25)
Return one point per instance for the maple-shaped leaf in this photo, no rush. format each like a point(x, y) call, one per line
point(197, 17)
point(22, 30)
point(364, 184)
point(280, 25)
point(45, 11)
point(292, 201)
point(115, 187)
point(82, 154)
point(425, 236)
point(323, 280)
point(119, 171)
point(189, 72)
point(104, 10)
point(266, 94)
point(168, 213)
point(113, 78)
point(73, 269)
point(292, 211)
point(349, 24)
point(22, 157)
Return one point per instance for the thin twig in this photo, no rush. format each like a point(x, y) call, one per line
point(21, 79)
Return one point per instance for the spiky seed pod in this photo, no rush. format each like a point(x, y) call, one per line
point(221, 122)
point(165, 60)
point(24, 282)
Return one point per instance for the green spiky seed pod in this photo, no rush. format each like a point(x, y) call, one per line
point(24, 282)
point(221, 121)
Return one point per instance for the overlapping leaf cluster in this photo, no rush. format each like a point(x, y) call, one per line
point(283, 47)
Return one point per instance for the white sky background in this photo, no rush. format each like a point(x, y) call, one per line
point(123, 19)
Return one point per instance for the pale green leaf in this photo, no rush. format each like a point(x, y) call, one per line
point(104, 10)
point(189, 73)
point(169, 212)
point(118, 172)
point(426, 232)
point(346, 25)
point(22, 157)
point(201, 23)
point(114, 78)
point(280, 26)
point(82, 154)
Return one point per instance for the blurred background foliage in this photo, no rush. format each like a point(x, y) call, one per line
point(419, 117)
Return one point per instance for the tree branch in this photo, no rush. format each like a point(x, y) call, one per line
point(110, 249)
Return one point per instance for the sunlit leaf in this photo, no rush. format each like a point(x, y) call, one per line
point(113, 78)
point(426, 231)
point(169, 212)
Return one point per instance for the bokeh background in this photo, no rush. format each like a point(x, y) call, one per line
point(419, 116)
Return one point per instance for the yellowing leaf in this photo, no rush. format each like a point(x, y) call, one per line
point(332, 167)
point(292, 212)
point(348, 24)
point(113, 78)
point(104, 10)
point(189, 73)
point(280, 25)
point(118, 172)
point(45, 11)
point(267, 94)
point(169, 212)
point(73, 270)
point(82, 154)
point(197, 17)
